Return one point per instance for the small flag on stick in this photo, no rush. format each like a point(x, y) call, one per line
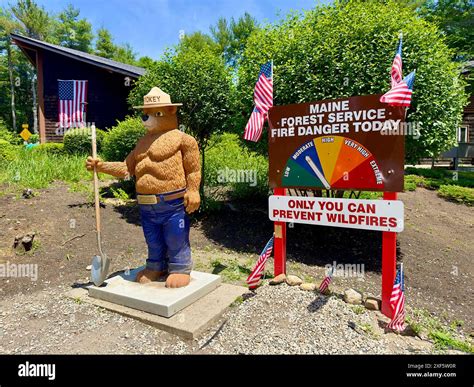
point(326, 281)
point(254, 277)
point(263, 99)
point(402, 88)
point(396, 72)
point(400, 95)
point(397, 301)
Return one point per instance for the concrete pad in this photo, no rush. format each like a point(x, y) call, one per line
point(154, 297)
point(188, 323)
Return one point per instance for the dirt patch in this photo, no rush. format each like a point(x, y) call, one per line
point(65, 232)
point(438, 252)
point(436, 246)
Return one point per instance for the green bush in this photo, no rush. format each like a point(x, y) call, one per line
point(436, 173)
point(413, 181)
point(434, 178)
point(122, 189)
point(9, 136)
point(50, 148)
point(229, 164)
point(457, 194)
point(78, 141)
point(122, 138)
point(34, 138)
point(7, 151)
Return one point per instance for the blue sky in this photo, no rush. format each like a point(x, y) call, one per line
point(152, 25)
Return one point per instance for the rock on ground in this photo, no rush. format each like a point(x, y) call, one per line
point(293, 280)
point(372, 303)
point(308, 286)
point(352, 296)
point(279, 279)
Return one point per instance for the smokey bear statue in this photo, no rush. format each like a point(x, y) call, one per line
point(166, 166)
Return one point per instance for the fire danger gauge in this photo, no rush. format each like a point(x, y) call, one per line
point(332, 162)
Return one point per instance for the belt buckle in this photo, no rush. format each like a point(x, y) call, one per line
point(147, 199)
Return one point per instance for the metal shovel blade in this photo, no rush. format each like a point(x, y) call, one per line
point(100, 269)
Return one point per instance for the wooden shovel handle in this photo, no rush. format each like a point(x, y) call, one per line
point(96, 188)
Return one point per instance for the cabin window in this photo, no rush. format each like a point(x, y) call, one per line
point(463, 134)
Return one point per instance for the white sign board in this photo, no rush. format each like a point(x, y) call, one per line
point(381, 215)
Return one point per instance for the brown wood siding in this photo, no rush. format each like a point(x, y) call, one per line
point(106, 92)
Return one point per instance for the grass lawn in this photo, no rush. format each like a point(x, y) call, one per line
point(30, 169)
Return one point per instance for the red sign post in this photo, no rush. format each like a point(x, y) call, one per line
point(280, 241)
point(389, 262)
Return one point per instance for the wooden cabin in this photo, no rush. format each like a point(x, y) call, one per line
point(108, 84)
point(463, 153)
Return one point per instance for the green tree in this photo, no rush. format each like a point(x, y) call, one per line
point(36, 21)
point(200, 80)
point(71, 31)
point(198, 41)
point(312, 62)
point(456, 19)
point(105, 46)
point(26, 18)
point(125, 54)
point(232, 36)
point(145, 62)
point(8, 26)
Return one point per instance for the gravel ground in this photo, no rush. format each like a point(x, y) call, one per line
point(275, 320)
point(286, 320)
point(48, 322)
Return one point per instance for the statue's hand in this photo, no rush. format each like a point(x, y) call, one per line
point(90, 162)
point(192, 200)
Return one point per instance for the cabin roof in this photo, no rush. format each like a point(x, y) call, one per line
point(28, 44)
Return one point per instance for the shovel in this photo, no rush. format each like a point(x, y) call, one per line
point(100, 263)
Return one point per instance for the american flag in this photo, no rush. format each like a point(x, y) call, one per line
point(254, 277)
point(72, 103)
point(400, 95)
point(326, 281)
point(396, 72)
point(263, 99)
point(397, 301)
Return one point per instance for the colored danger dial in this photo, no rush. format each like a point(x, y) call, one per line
point(332, 162)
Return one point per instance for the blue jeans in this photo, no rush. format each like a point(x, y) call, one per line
point(166, 229)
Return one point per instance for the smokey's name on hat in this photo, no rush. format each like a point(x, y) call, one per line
point(156, 98)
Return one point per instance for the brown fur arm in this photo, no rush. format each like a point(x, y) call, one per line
point(192, 171)
point(120, 169)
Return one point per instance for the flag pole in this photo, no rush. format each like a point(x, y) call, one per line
point(402, 277)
